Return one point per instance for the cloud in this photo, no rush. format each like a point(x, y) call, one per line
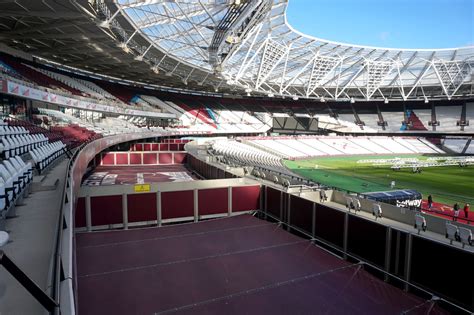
point(384, 36)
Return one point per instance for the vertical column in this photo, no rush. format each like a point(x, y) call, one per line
point(88, 214)
point(388, 251)
point(397, 253)
point(158, 207)
point(115, 158)
point(281, 206)
point(313, 230)
point(408, 260)
point(346, 232)
point(196, 205)
point(288, 228)
point(265, 201)
point(125, 211)
point(229, 200)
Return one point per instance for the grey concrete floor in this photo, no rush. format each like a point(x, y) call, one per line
point(32, 233)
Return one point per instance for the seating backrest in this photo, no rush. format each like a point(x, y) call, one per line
point(451, 230)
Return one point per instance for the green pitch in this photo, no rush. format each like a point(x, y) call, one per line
point(446, 184)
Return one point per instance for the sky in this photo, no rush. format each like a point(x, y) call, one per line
point(387, 23)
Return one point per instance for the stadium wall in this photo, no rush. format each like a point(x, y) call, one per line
point(124, 206)
point(436, 224)
point(400, 253)
point(125, 158)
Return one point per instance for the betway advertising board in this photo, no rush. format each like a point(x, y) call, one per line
point(45, 96)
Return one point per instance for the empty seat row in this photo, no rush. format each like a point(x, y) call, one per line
point(20, 144)
point(15, 177)
point(244, 154)
point(45, 155)
point(13, 130)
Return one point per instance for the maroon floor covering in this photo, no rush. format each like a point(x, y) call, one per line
point(130, 175)
point(238, 265)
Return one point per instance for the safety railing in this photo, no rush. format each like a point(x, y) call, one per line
point(42, 297)
point(344, 254)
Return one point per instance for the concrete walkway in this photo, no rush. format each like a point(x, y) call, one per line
point(32, 233)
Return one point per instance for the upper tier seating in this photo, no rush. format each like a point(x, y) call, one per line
point(119, 91)
point(470, 117)
point(35, 76)
point(414, 121)
point(370, 122)
point(394, 121)
point(71, 82)
point(448, 116)
point(424, 116)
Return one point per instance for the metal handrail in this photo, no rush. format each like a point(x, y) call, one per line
point(55, 268)
point(44, 299)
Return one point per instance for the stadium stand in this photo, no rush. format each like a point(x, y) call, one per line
point(457, 145)
point(470, 116)
point(303, 147)
point(194, 139)
point(448, 116)
point(394, 121)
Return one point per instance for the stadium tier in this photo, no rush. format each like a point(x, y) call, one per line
point(229, 166)
point(304, 147)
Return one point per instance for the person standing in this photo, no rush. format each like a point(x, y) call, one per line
point(456, 211)
point(430, 201)
point(466, 210)
point(321, 196)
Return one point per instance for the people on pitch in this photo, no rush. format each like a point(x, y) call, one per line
point(456, 211)
point(466, 210)
point(430, 201)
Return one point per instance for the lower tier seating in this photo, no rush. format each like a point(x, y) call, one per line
point(47, 154)
point(15, 177)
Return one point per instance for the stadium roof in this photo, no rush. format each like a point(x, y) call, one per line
point(228, 46)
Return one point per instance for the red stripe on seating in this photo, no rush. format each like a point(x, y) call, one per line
point(164, 147)
point(138, 147)
point(155, 147)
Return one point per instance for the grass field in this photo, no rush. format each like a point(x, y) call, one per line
point(446, 184)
